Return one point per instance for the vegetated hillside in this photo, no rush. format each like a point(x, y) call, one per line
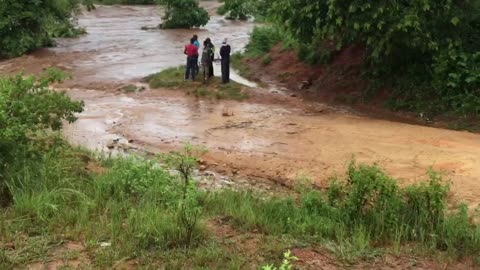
point(424, 51)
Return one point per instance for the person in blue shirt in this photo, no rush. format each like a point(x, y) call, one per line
point(197, 44)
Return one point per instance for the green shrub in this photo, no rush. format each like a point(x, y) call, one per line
point(30, 24)
point(28, 108)
point(422, 49)
point(183, 14)
point(262, 40)
point(236, 9)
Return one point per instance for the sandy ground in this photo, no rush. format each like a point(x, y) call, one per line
point(271, 136)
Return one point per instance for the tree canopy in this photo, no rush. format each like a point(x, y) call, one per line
point(29, 24)
point(183, 14)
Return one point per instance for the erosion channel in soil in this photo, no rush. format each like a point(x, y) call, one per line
point(270, 136)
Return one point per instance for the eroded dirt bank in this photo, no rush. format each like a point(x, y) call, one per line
point(270, 136)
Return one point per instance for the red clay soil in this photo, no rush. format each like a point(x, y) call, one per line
point(337, 83)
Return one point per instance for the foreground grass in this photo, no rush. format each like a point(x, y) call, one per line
point(129, 213)
point(173, 78)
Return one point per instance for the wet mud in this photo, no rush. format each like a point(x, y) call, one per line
point(270, 136)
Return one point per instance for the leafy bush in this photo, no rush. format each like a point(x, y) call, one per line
point(183, 14)
point(236, 9)
point(27, 25)
point(423, 49)
point(28, 108)
point(262, 40)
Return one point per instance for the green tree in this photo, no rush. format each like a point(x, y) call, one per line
point(423, 48)
point(183, 14)
point(28, 109)
point(29, 24)
point(237, 9)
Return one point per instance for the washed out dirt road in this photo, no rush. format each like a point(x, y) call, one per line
point(272, 135)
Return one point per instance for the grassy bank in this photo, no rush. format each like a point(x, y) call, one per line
point(173, 78)
point(123, 211)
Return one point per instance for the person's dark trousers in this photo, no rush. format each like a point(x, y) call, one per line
point(210, 70)
point(191, 64)
point(226, 70)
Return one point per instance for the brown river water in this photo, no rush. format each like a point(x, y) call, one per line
point(271, 136)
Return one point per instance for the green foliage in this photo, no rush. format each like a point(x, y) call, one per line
point(237, 9)
point(183, 14)
point(366, 209)
point(423, 49)
point(28, 108)
point(243, 9)
point(262, 40)
point(141, 210)
point(30, 24)
point(288, 258)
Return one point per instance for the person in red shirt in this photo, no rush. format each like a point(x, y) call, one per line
point(192, 59)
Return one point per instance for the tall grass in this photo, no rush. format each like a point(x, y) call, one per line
point(367, 209)
point(135, 206)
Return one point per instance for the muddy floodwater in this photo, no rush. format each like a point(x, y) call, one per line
point(271, 136)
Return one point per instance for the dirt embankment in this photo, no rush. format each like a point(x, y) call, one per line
point(340, 83)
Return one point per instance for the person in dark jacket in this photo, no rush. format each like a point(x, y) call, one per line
point(212, 56)
point(206, 60)
point(225, 51)
point(192, 59)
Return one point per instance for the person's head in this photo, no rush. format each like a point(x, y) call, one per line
point(205, 43)
point(195, 37)
point(225, 41)
point(192, 40)
point(208, 41)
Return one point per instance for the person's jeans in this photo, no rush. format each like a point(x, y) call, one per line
point(191, 67)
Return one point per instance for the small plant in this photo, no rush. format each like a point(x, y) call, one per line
point(189, 214)
point(185, 162)
point(288, 258)
point(189, 211)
